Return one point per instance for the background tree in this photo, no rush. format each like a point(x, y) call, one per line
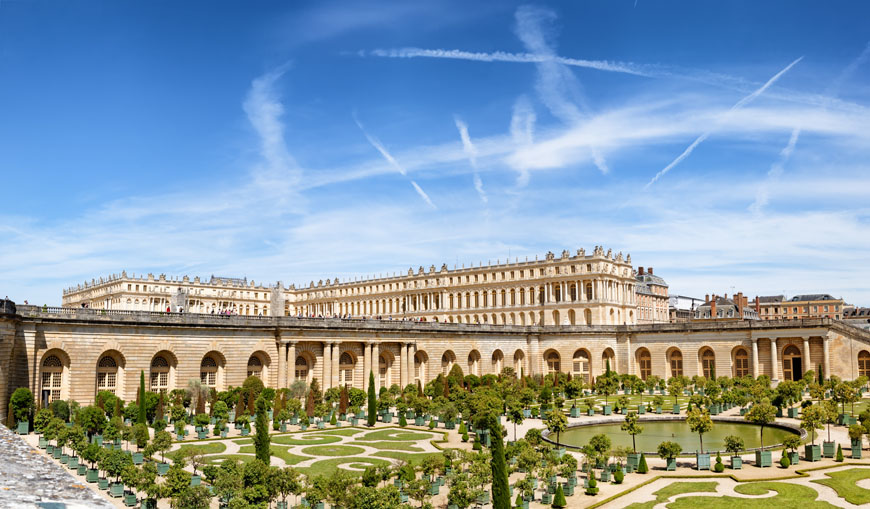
point(762, 414)
point(699, 422)
point(372, 401)
point(812, 419)
point(141, 418)
point(557, 423)
point(500, 489)
point(632, 427)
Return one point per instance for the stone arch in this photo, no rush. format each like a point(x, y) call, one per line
point(519, 362)
point(497, 360)
point(303, 367)
point(474, 363)
point(581, 367)
point(110, 370)
point(608, 355)
point(54, 374)
point(448, 359)
point(675, 362)
point(707, 361)
point(792, 363)
point(864, 363)
point(386, 360)
point(556, 317)
point(258, 366)
point(553, 361)
point(572, 317)
point(740, 361)
point(421, 362)
point(212, 370)
point(346, 367)
point(587, 315)
point(161, 373)
point(644, 363)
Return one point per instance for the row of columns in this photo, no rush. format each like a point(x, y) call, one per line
point(805, 354)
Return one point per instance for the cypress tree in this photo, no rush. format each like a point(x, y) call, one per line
point(309, 404)
point(342, 400)
point(607, 368)
point(261, 439)
point(402, 420)
point(160, 403)
point(642, 468)
point(142, 419)
point(821, 375)
point(501, 498)
point(372, 400)
point(839, 458)
point(559, 498)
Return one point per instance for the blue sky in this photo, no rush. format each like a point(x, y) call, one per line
point(725, 144)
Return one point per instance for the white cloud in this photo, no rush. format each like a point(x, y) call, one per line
point(471, 151)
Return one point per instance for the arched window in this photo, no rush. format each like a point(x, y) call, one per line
point(581, 365)
point(607, 360)
point(519, 362)
point(447, 361)
point(644, 363)
point(301, 368)
point(208, 371)
point(708, 363)
point(107, 374)
point(791, 363)
point(553, 362)
point(384, 368)
point(159, 374)
point(474, 363)
point(345, 368)
point(497, 361)
point(676, 361)
point(741, 362)
point(864, 363)
point(420, 360)
point(52, 374)
point(255, 367)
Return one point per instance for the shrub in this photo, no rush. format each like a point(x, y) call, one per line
point(559, 498)
point(333, 421)
point(476, 444)
point(402, 420)
point(642, 467)
point(60, 409)
point(465, 437)
point(519, 501)
point(784, 462)
point(719, 467)
point(618, 476)
point(593, 486)
point(21, 403)
point(432, 424)
point(839, 453)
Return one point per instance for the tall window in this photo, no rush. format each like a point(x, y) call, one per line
point(208, 372)
point(474, 363)
point(159, 374)
point(497, 361)
point(553, 362)
point(581, 365)
point(419, 367)
point(255, 367)
point(607, 360)
point(52, 373)
point(741, 363)
point(301, 368)
point(676, 361)
point(345, 368)
point(447, 361)
point(791, 363)
point(107, 374)
point(864, 363)
point(708, 361)
point(644, 361)
point(383, 371)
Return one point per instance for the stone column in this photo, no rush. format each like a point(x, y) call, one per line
point(774, 361)
point(628, 352)
point(409, 356)
point(282, 362)
point(808, 363)
point(534, 366)
point(826, 349)
point(327, 365)
point(336, 374)
point(291, 363)
point(755, 357)
point(403, 365)
point(367, 364)
point(376, 365)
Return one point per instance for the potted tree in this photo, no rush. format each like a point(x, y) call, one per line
point(130, 477)
point(856, 432)
point(669, 451)
point(92, 454)
point(141, 436)
point(631, 426)
point(734, 445)
point(245, 422)
point(658, 401)
point(699, 422)
point(194, 458)
point(762, 413)
point(675, 389)
point(148, 485)
point(21, 404)
point(161, 443)
point(77, 442)
point(201, 421)
point(792, 443)
point(590, 406)
point(813, 419)
point(557, 423)
point(830, 416)
point(113, 463)
point(607, 384)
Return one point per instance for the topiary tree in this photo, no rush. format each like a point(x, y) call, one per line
point(784, 462)
point(141, 418)
point(632, 427)
point(557, 423)
point(812, 419)
point(699, 422)
point(719, 467)
point(733, 444)
point(642, 467)
point(762, 414)
point(21, 404)
point(559, 498)
point(839, 458)
point(261, 440)
point(669, 450)
point(402, 420)
point(592, 487)
point(372, 416)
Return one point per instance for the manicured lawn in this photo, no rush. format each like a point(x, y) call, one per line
point(788, 495)
point(844, 483)
point(413, 459)
point(334, 450)
point(676, 488)
point(278, 452)
point(206, 447)
point(345, 432)
point(306, 439)
point(217, 460)
point(394, 446)
point(397, 435)
point(327, 467)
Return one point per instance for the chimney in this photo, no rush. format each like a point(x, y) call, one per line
point(757, 305)
point(726, 296)
point(707, 298)
point(713, 307)
point(640, 271)
point(739, 302)
point(649, 270)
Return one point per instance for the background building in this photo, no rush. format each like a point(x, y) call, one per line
point(681, 308)
point(652, 297)
point(817, 305)
point(723, 308)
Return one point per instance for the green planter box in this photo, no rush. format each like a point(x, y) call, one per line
point(856, 449)
point(116, 490)
point(162, 468)
point(829, 449)
point(201, 434)
point(73, 462)
point(605, 475)
point(179, 437)
point(245, 432)
point(794, 457)
point(607, 410)
point(49, 449)
point(57, 453)
point(736, 463)
point(130, 499)
point(641, 410)
point(434, 488)
point(813, 452)
point(527, 413)
point(575, 412)
point(450, 425)
point(195, 480)
point(283, 427)
point(64, 459)
point(92, 475)
point(763, 459)
point(568, 490)
point(224, 433)
point(702, 460)
point(82, 469)
point(138, 458)
point(149, 503)
point(103, 483)
point(303, 427)
point(793, 412)
point(43, 443)
point(23, 427)
point(294, 421)
point(589, 411)
point(658, 410)
point(547, 498)
point(742, 411)
point(676, 410)
point(632, 461)
point(97, 439)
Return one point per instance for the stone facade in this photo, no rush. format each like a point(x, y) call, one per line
point(777, 307)
point(70, 353)
point(580, 289)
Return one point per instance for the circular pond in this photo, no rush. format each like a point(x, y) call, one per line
point(656, 432)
